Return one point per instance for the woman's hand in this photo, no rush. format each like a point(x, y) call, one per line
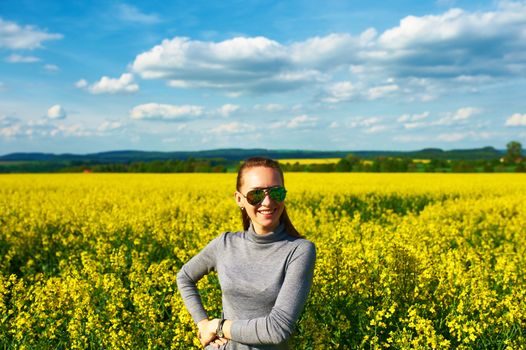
point(207, 333)
point(218, 342)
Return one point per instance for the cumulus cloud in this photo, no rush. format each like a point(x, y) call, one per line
point(21, 59)
point(460, 116)
point(106, 85)
point(236, 65)
point(298, 122)
point(78, 130)
point(376, 129)
point(431, 47)
point(166, 112)
point(227, 109)
point(56, 112)
point(450, 44)
point(80, 84)
point(42, 128)
point(346, 91)
point(412, 117)
point(412, 121)
point(516, 119)
point(131, 13)
point(109, 126)
point(6, 120)
point(270, 107)
point(11, 131)
point(381, 91)
point(332, 50)
point(363, 122)
point(16, 37)
point(341, 91)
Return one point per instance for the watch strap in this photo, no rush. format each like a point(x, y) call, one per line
point(219, 330)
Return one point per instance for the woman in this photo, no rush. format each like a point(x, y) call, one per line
point(265, 271)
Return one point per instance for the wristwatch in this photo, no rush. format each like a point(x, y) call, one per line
point(219, 330)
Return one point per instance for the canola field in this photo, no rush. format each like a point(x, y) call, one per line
point(404, 261)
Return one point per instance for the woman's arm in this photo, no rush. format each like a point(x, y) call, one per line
point(191, 272)
point(279, 324)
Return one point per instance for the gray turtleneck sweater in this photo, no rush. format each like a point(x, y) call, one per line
point(265, 280)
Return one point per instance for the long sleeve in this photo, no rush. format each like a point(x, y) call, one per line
point(191, 272)
point(279, 324)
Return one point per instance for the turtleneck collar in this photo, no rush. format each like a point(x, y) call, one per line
point(278, 234)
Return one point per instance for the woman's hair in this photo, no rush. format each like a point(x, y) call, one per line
point(267, 163)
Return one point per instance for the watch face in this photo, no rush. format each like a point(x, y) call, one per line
point(220, 334)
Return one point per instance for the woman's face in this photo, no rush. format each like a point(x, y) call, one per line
point(264, 216)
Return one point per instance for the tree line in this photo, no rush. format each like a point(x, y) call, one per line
point(512, 161)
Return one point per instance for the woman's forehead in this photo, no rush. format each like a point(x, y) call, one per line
point(259, 177)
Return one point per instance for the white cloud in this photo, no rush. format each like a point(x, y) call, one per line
point(77, 130)
point(51, 68)
point(431, 47)
point(414, 125)
point(56, 112)
point(106, 85)
point(16, 37)
point(131, 13)
point(412, 117)
point(227, 109)
point(270, 107)
point(302, 121)
point(21, 59)
point(44, 127)
point(6, 120)
point(357, 69)
point(341, 91)
point(376, 129)
point(331, 50)
point(238, 65)
point(233, 128)
point(460, 116)
point(516, 119)
point(82, 83)
point(363, 122)
point(109, 126)
point(298, 122)
point(380, 91)
point(156, 111)
point(449, 44)
point(11, 131)
point(473, 79)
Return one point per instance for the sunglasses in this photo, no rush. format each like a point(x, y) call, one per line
point(255, 197)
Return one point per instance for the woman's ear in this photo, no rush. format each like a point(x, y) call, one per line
point(239, 199)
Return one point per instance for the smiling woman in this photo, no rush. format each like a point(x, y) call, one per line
point(265, 271)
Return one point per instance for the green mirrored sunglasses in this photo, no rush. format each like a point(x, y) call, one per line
point(256, 196)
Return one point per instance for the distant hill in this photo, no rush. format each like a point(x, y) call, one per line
point(232, 154)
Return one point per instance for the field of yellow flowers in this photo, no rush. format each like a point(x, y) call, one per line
point(404, 261)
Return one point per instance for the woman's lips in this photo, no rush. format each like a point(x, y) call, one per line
point(266, 212)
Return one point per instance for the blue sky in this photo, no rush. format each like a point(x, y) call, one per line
point(90, 76)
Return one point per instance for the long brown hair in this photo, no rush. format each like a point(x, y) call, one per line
point(267, 163)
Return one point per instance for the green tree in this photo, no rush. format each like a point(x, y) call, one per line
point(514, 152)
point(347, 163)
